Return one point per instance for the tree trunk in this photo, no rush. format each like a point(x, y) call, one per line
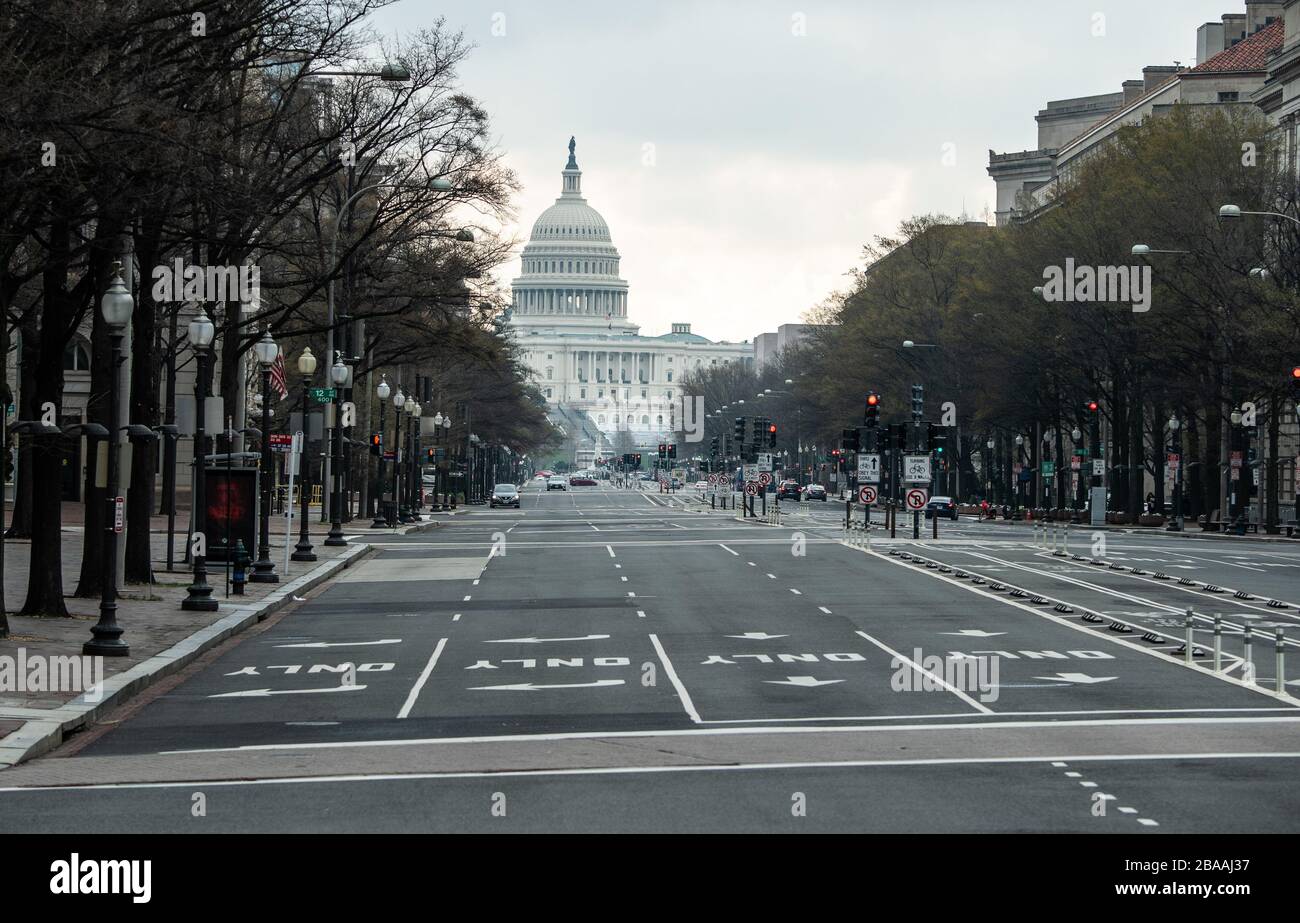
point(91, 579)
point(145, 382)
point(20, 523)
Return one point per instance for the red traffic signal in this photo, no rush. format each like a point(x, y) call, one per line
point(1295, 373)
point(1093, 406)
point(873, 399)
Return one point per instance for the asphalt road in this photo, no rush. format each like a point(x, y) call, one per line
point(610, 659)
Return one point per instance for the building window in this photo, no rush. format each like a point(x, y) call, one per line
point(582, 393)
point(670, 373)
point(1229, 97)
point(669, 395)
point(550, 372)
point(600, 392)
point(643, 394)
point(645, 419)
point(601, 419)
point(548, 393)
point(659, 420)
point(75, 358)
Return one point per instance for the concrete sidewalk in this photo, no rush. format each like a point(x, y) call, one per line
point(162, 636)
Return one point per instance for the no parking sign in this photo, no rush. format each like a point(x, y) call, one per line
point(916, 498)
point(867, 495)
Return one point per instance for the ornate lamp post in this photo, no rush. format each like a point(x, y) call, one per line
point(117, 306)
point(303, 550)
point(263, 568)
point(446, 474)
point(408, 511)
point(399, 453)
point(417, 469)
point(338, 377)
point(199, 595)
point(437, 470)
point(381, 518)
point(1075, 435)
point(1020, 442)
point(1176, 520)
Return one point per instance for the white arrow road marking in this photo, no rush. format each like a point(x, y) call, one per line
point(541, 640)
point(1082, 678)
point(344, 643)
point(259, 693)
point(757, 636)
point(975, 633)
point(802, 681)
point(533, 687)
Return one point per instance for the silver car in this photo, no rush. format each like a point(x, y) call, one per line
point(504, 495)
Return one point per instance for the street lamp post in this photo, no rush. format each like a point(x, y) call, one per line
point(381, 516)
point(1020, 442)
point(303, 550)
point(263, 568)
point(988, 470)
point(393, 511)
point(338, 377)
point(198, 597)
point(417, 470)
point(437, 465)
point(116, 306)
point(1176, 521)
point(404, 512)
point(446, 474)
point(1075, 436)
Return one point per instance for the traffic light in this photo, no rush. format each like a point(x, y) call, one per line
point(672, 451)
point(637, 461)
point(663, 450)
point(1295, 388)
point(771, 435)
point(738, 431)
point(938, 439)
point(918, 402)
point(871, 417)
point(376, 443)
point(850, 441)
point(713, 447)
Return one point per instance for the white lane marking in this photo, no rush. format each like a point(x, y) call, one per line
point(624, 579)
point(1058, 764)
point(475, 583)
point(466, 599)
point(631, 595)
point(824, 609)
point(610, 549)
point(1128, 810)
point(1074, 775)
point(726, 731)
point(682, 694)
point(640, 613)
point(795, 592)
point(771, 576)
point(1147, 822)
point(619, 566)
point(1083, 629)
point(456, 617)
point(978, 706)
point(728, 550)
point(1088, 784)
point(343, 643)
point(751, 564)
point(424, 677)
point(635, 770)
point(263, 693)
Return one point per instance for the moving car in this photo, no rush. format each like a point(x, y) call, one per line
point(582, 481)
point(941, 506)
point(788, 490)
point(815, 492)
point(505, 495)
point(555, 482)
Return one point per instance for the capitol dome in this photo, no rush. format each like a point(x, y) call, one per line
point(570, 266)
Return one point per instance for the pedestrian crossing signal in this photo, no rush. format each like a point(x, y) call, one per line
point(376, 443)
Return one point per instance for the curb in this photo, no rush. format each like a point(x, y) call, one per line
point(40, 735)
point(1186, 533)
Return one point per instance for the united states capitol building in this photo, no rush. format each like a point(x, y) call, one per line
point(611, 389)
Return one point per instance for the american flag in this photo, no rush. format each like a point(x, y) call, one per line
point(277, 376)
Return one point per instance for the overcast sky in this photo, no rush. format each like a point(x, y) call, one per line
point(743, 152)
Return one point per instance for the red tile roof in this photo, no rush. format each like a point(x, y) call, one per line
point(1249, 54)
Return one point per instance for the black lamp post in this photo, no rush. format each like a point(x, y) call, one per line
point(303, 550)
point(199, 595)
point(395, 510)
point(264, 568)
point(338, 377)
point(381, 516)
point(417, 469)
point(116, 306)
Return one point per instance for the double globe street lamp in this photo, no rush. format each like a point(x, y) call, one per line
point(198, 597)
point(303, 550)
point(266, 350)
point(116, 306)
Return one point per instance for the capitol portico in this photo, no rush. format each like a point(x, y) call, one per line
point(609, 387)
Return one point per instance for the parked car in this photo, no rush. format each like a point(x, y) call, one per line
point(815, 492)
point(788, 490)
point(941, 506)
point(582, 481)
point(555, 482)
point(505, 495)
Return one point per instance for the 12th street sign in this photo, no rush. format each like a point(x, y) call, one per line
point(321, 395)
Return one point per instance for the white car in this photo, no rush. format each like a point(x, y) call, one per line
point(557, 483)
point(701, 485)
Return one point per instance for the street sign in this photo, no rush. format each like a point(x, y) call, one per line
point(1075, 463)
point(764, 478)
point(281, 442)
point(119, 504)
point(750, 473)
point(869, 468)
point(1098, 467)
point(1049, 469)
point(867, 495)
point(916, 468)
point(764, 462)
point(321, 395)
point(916, 498)
point(751, 488)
